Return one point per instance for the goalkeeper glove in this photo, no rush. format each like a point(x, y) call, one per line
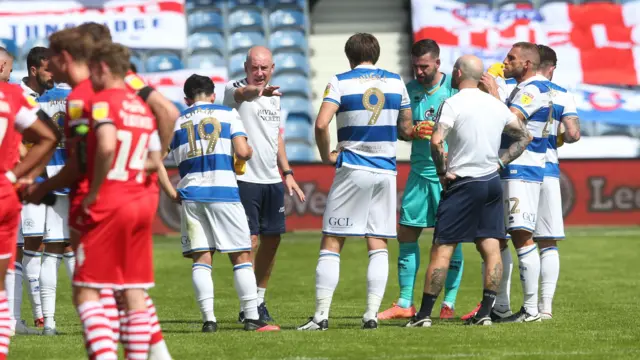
point(423, 130)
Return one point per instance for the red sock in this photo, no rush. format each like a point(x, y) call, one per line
point(156, 331)
point(97, 331)
point(138, 334)
point(5, 325)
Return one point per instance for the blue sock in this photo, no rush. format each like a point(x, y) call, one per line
point(408, 265)
point(454, 277)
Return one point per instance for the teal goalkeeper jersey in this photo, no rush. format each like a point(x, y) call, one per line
point(424, 105)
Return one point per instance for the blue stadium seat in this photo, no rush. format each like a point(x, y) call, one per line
point(236, 65)
point(205, 20)
point(283, 40)
point(242, 41)
point(297, 129)
point(243, 19)
point(603, 129)
point(300, 4)
point(287, 18)
point(236, 4)
point(299, 151)
point(205, 41)
point(202, 4)
point(296, 106)
point(139, 64)
point(291, 62)
point(163, 62)
point(292, 84)
point(512, 4)
point(479, 3)
point(205, 61)
point(10, 45)
point(30, 44)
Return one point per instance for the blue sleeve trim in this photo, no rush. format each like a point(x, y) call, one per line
point(526, 115)
point(331, 101)
point(239, 134)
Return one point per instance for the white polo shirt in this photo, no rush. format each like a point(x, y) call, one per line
point(261, 118)
point(477, 121)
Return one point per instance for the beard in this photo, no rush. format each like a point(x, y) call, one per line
point(45, 84)
point(427, 79)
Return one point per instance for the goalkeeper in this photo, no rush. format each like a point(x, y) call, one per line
point(422, 192)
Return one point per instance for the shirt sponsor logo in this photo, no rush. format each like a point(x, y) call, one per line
point(269, 115)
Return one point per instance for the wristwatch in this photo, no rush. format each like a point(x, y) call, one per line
point(287, 172)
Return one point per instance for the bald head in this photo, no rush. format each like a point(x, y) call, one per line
point(471, 67)
point(259, 66)
point(6, 65)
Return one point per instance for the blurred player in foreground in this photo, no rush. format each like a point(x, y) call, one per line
point(373, 110)
point(550, 225)
point(207, 137)
point(261, 187)
point(422, 192)
point(17, 115)
point(471, 209)
point(117, 211)
point(71, 50)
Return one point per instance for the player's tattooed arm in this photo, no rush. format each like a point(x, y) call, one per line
point(405, 125)
point(440, 132)
point(572, 129)
point(518, 131)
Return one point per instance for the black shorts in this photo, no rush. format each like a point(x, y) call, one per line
point(471, 208)
point(264, 206)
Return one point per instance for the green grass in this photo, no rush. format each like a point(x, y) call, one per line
point(595, 311)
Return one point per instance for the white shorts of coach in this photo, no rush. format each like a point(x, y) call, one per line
point(520, 204)
point(550, 224)
point(221, 227)
point(361, 203)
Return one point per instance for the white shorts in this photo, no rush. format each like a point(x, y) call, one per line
point(33, 219)
point(550, 224)
point(521, 204)
point(20, 241)
point(361, 203)
point(57, 221)
point(214, 226)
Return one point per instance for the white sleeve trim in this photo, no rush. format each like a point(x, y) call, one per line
point(154, 142)
point(25, 118)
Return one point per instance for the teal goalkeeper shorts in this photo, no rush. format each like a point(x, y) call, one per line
point(420, 202)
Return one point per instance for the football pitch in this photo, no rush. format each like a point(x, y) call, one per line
point(595, 310)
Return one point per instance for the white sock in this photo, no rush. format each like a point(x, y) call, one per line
point(31, 261)
point(9, 284)
point(245, 283)
point(203, 285)
point(529, 263)
point(377, 274)
point(503, 298)
point(327, 277)
point(261, 292)
point(549, 272)
point(17, 293)
point(159, 351)
point(69, 263)
point(48, 285)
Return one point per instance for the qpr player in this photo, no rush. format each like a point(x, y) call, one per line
point(373, 110)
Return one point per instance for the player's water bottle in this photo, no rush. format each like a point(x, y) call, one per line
point(239, 165)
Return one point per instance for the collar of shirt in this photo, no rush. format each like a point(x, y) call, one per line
point(198, 103)
point(533, 78)
point(27, 89)
point(366, 66)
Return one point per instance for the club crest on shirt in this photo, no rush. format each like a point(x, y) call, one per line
point(274, 102)
point(526, 98)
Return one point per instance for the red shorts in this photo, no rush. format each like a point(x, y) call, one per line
point(116, 248)
point(10, 207)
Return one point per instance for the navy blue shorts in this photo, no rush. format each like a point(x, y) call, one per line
point(264, 206)
point(471, 208)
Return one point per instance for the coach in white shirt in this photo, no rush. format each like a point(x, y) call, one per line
point(471, 206)
point(261, 186)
